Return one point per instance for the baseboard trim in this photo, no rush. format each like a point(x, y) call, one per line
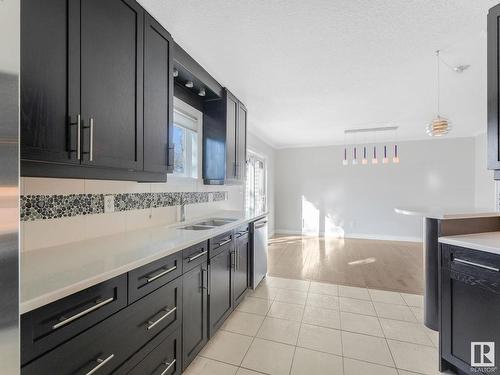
point(362, 236)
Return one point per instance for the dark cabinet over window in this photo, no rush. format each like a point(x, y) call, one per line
point(89, 70)
point(493, 90)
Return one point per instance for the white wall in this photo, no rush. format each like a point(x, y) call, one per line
point(484, 183)
point(51, 232)
point(259, 146)
point(312, 184)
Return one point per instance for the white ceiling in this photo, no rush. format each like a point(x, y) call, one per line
point(307, 70)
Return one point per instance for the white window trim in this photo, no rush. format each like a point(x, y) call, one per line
point(264, 158)
point(185, 109)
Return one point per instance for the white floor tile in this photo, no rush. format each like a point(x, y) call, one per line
point(405, 331)
point(323, 300)
point(366, 348)
point(366, 324)
point(355, 367)
point(354, 292)
point(386, 297)
point(412, 357)
point(244, 371)
point(206, 366)
point(396, 312)
point(269, 357)
point(311, 362)
point(280, 330)
point(253, 305)
point(414, 300)
point(291, 296)
point(264, 291)
point(324, 288)
point(243, 323)
point(433, 335)
point(321, 317)
point(284, 310)
point(320, 338)
point(292, 284)
point(418, 312)
point(227, 347)
point(357, 306)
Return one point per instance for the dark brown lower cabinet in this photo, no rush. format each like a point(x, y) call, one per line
point(470, 310)
point(220, 286)
point(241, 267)
point(195, 313)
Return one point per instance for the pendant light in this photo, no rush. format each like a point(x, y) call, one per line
point(355, 156)
point(439, 126)
point(385, 160)
point(395, 157)
point(365, 160)
point(374, 159)
point(345, 162)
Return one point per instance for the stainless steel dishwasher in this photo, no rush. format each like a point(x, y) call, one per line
point(259, 258)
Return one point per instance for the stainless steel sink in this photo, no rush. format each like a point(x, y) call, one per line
point(197, 227)
point(216, 222)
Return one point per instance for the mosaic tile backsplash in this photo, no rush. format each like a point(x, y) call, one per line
point(40, 207)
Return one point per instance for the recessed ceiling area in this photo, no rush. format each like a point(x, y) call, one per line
point(308, 70)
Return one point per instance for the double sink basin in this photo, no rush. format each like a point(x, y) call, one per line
point(208, 224)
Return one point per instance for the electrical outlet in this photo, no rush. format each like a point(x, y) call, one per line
point(109, 203)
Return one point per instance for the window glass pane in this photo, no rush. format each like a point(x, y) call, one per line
point(179, 149)
point(194, 153)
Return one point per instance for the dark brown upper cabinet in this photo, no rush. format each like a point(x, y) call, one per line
point(493, 90)
point(96, 88)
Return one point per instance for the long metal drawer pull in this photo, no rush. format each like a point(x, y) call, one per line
point(154, 323)
point(82, 313)
point(476, 264)
point(224, 242)
point(101, 362)
point(153, 278)
point(197, 256)
point(169, 366)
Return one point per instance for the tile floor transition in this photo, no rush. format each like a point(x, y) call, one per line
point(299, 327)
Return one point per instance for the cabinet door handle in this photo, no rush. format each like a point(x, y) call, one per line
point(64, 321)
point(476, 264)
point(153, 278)
point(169, 366)
point(91, 156)
point(100, 363)
point(223, 242)
point(153, 323)
point(197, 256)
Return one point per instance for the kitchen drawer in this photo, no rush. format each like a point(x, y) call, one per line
point(219, 243)
point(47, 327)
point(111, 342)
point(241, 231)
point(145, 279)
point(165, 359)
point(194, 256)
point(462, 259)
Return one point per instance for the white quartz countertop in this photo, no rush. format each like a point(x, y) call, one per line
point(488, 242)
point(55, 272)
point(446, 213)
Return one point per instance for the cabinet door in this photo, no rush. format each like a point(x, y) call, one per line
point(50, 99)
point(242, 256)
point(493, 88)
point(195, 316)
point(158, 98)
point(241, 143)
point(220, 289)
point(231, 125)
point(112, 83)
point(470, 304)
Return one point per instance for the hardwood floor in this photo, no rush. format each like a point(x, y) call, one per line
point(386, 265)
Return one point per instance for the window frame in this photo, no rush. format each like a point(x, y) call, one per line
point(184, 109)
point(259, 157)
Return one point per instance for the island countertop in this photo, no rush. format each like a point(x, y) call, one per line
point(446, 213)
point(488, 242)
point(55, 272)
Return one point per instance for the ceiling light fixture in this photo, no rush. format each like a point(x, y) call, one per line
point(439, 126)
point(202, 92)
point(189, 84)
point(176, 73)
point(366, 147)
